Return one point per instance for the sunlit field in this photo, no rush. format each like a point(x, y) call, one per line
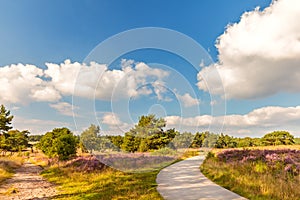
point(82, 178)
point(257, 173)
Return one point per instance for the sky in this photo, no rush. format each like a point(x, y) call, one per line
point(223, 66)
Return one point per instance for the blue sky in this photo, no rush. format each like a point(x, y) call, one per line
point(64, 33)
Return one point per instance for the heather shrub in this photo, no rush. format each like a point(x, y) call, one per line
point(256, 174)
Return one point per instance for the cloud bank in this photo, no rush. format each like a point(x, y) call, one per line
point(260, 55)
point(22, 84)
point(256, 122)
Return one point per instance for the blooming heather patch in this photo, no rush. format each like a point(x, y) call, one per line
point(256, 173)
point(136, 161)
point(286, 159)
point(85, 164)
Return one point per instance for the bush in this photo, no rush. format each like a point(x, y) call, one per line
point(59, 143)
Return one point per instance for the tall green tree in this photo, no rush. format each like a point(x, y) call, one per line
point(89, 138)
point(147, 134)
point(148, 125)
point(5, 120)
point(131, 143)
point(60, 143)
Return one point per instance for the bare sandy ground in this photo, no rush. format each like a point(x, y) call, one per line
point(27, 184)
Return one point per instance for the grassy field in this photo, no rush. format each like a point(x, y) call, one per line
point(257, 173)
point(105, 184)
point(8, 165)
point(108, 184)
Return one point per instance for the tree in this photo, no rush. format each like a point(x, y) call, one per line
point(198, 140)
point(130, 143)
point(148, 125)
point(210, 140)
point(35, 138)
point(225, 141)
point(60, 143)
point(5, 120)
point(89, 137)
point(116, 140)
point(148, 134)
point(278, 138)
point(11, 140)
point(159, 139)
point(14, 140)
point(183, 140)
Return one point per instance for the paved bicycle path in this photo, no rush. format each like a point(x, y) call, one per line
point(184, 181)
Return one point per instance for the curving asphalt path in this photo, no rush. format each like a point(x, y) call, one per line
point(184, 181)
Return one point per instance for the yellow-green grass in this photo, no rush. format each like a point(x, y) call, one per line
point(253, 180)
point(8, 166)
point(187, 153)
point(107, 184)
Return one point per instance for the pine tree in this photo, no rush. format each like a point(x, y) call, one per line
point(5, 120)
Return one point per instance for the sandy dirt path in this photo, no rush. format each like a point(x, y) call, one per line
point(28, 184)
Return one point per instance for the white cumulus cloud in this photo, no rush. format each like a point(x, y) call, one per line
point(254, 123)
point(188, 100)
point(21, 84)
point(64, 108)
point(260, 55)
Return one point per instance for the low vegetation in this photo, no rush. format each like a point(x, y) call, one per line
point(259, 173)
point(8, 165)
point(104, 183)
point(255, 173)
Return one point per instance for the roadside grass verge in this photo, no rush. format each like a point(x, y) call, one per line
point(8, 164)
point(258, 173)
point(106, 184)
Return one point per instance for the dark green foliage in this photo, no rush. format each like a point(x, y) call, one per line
point(225, 141)
point(159, 139)
point(278, 138)
point(198, 139)
point(148, 125)
point(60, 143)
point(147, 135)
point(5, 120)
point(34, 138)
point(11, 140)
point(14, 140)
point(130, 143)
point(117, 141)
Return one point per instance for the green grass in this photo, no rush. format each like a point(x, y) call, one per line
point(253, 180)
point(8, 166)
point(107, 184)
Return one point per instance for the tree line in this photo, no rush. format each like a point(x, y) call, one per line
point(148, 134)
point(11, 140)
